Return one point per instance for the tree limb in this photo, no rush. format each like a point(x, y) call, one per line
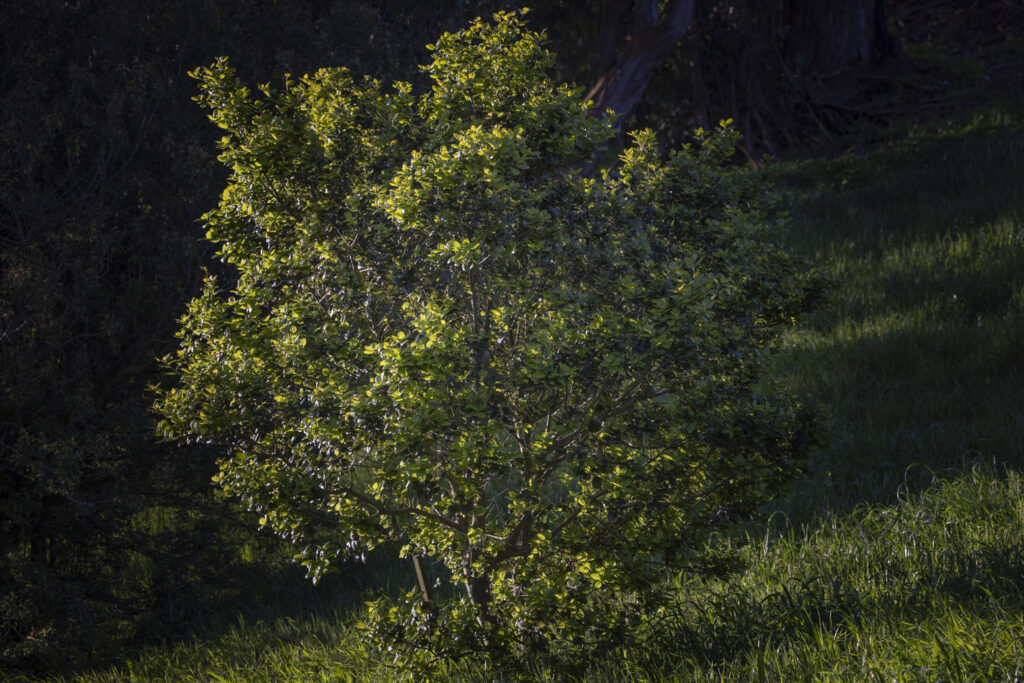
point(620, 86)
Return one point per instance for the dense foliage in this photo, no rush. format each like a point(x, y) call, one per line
point(443, 334)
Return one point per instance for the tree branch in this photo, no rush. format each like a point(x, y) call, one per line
point(373, 504)
point(621, 86)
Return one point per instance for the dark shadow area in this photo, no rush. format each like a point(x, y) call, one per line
point(907, 403)
point(914, 190)
point(916, 350)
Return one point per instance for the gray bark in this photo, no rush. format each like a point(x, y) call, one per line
point(655, 33)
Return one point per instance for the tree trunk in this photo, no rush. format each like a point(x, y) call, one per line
point(828, 39)
point(789, 72)
point(478, 588)
point(654, 34)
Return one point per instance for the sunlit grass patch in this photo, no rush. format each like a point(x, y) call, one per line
point(930, 588)
point(284, 649)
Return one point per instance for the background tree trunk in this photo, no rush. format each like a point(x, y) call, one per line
point(787, 71)
point(826, 39)
point(790, 73)
point(654, 34)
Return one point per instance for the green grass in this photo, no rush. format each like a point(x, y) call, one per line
point(929, 588)
point(919, 352)
point(902, 556)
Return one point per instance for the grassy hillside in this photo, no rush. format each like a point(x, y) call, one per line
point(901, 557)
point(919, 353)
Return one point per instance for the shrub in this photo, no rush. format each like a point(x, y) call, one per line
point(443, 334)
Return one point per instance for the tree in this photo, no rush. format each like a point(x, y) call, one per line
point(443, 336)
point(832, 38)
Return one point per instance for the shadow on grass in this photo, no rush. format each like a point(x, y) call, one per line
point(917, 353)
point(917, 387)
point(283, 609)
point(913, 190)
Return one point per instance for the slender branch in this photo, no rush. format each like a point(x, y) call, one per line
point(408, 510)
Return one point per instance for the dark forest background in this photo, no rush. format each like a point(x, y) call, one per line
point(111, 539)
